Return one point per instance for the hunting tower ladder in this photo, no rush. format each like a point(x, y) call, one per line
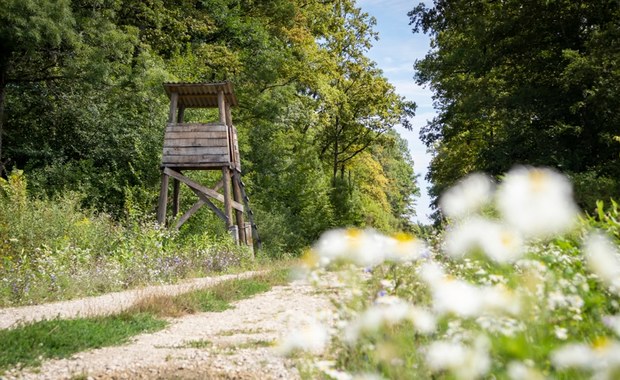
point(205, 146)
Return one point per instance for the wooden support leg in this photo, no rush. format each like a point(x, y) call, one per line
point(227, 198)
point(175, 197)
point(239, 214)
point(163, 200)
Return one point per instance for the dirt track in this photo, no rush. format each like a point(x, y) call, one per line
point(235, 344)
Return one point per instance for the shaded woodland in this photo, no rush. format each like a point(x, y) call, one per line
point(524, 82)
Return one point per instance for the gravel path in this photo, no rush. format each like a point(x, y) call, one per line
point(104, 304)
point(234, 344)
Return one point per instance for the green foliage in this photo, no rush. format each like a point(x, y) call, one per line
point(28, 345)
point(523, 83)
point(606, 218)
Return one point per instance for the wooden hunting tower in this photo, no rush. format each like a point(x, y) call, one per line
point(205, 146)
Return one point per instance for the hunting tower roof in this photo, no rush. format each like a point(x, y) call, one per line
point(201, 95)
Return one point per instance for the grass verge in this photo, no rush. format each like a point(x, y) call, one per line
point(30, 344)
point(214, 299)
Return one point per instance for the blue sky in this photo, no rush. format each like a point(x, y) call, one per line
point(395, 53)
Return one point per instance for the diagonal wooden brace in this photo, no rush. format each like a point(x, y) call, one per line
point(202, 189)
point(189, 213)
point(210, 204)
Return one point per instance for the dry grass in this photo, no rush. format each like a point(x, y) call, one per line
point(212, 299)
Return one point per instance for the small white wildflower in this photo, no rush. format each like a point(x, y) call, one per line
point(431, 272)
point(497, 279)
point(556, 299)
point(363, 248)
point(387, 284)
point(423, 320)
point(467, 196)
point(327, 367)
point(388, 310)
point(575, 302)
point(575, 355)
point(498, 298)
point(458, 297)
point(465, 236)
point(603, 358)
point(462, 361)
point(612, 322)
point(404, 248)
point(500, 324)
point(333, 244)
point(312, 337)
point(537, 201)
point(499, 242)
point(369, 249)
point(521, 371)
point(560, 332)
point(603, 259)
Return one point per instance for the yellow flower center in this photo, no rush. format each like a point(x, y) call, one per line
point(538, 180)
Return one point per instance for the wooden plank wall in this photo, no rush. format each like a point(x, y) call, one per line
point(196, 144)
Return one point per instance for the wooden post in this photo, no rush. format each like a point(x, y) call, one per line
point(176, 199)
point(163, 194)
point(236, 176)
point(181, 114)
point(174, 97)
point(231, 139)
point(228, 115)
point(227, 203)
point(176, 190)
point(163, 200)
point(239, 214)
point(221, 106)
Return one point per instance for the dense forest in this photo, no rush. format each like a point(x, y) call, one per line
point(524, 82)
point(83, 110)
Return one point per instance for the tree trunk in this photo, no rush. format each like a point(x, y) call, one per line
point(335, 158)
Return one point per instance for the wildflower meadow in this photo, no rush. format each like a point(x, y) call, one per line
point(518, 285)
point(53, 249)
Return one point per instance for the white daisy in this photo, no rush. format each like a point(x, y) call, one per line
point(467, 196)
point(537, 201)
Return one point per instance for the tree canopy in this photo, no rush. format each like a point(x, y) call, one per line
point(82, 107)
point(523, 82)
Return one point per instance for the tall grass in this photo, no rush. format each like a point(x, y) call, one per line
point(53, 249)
